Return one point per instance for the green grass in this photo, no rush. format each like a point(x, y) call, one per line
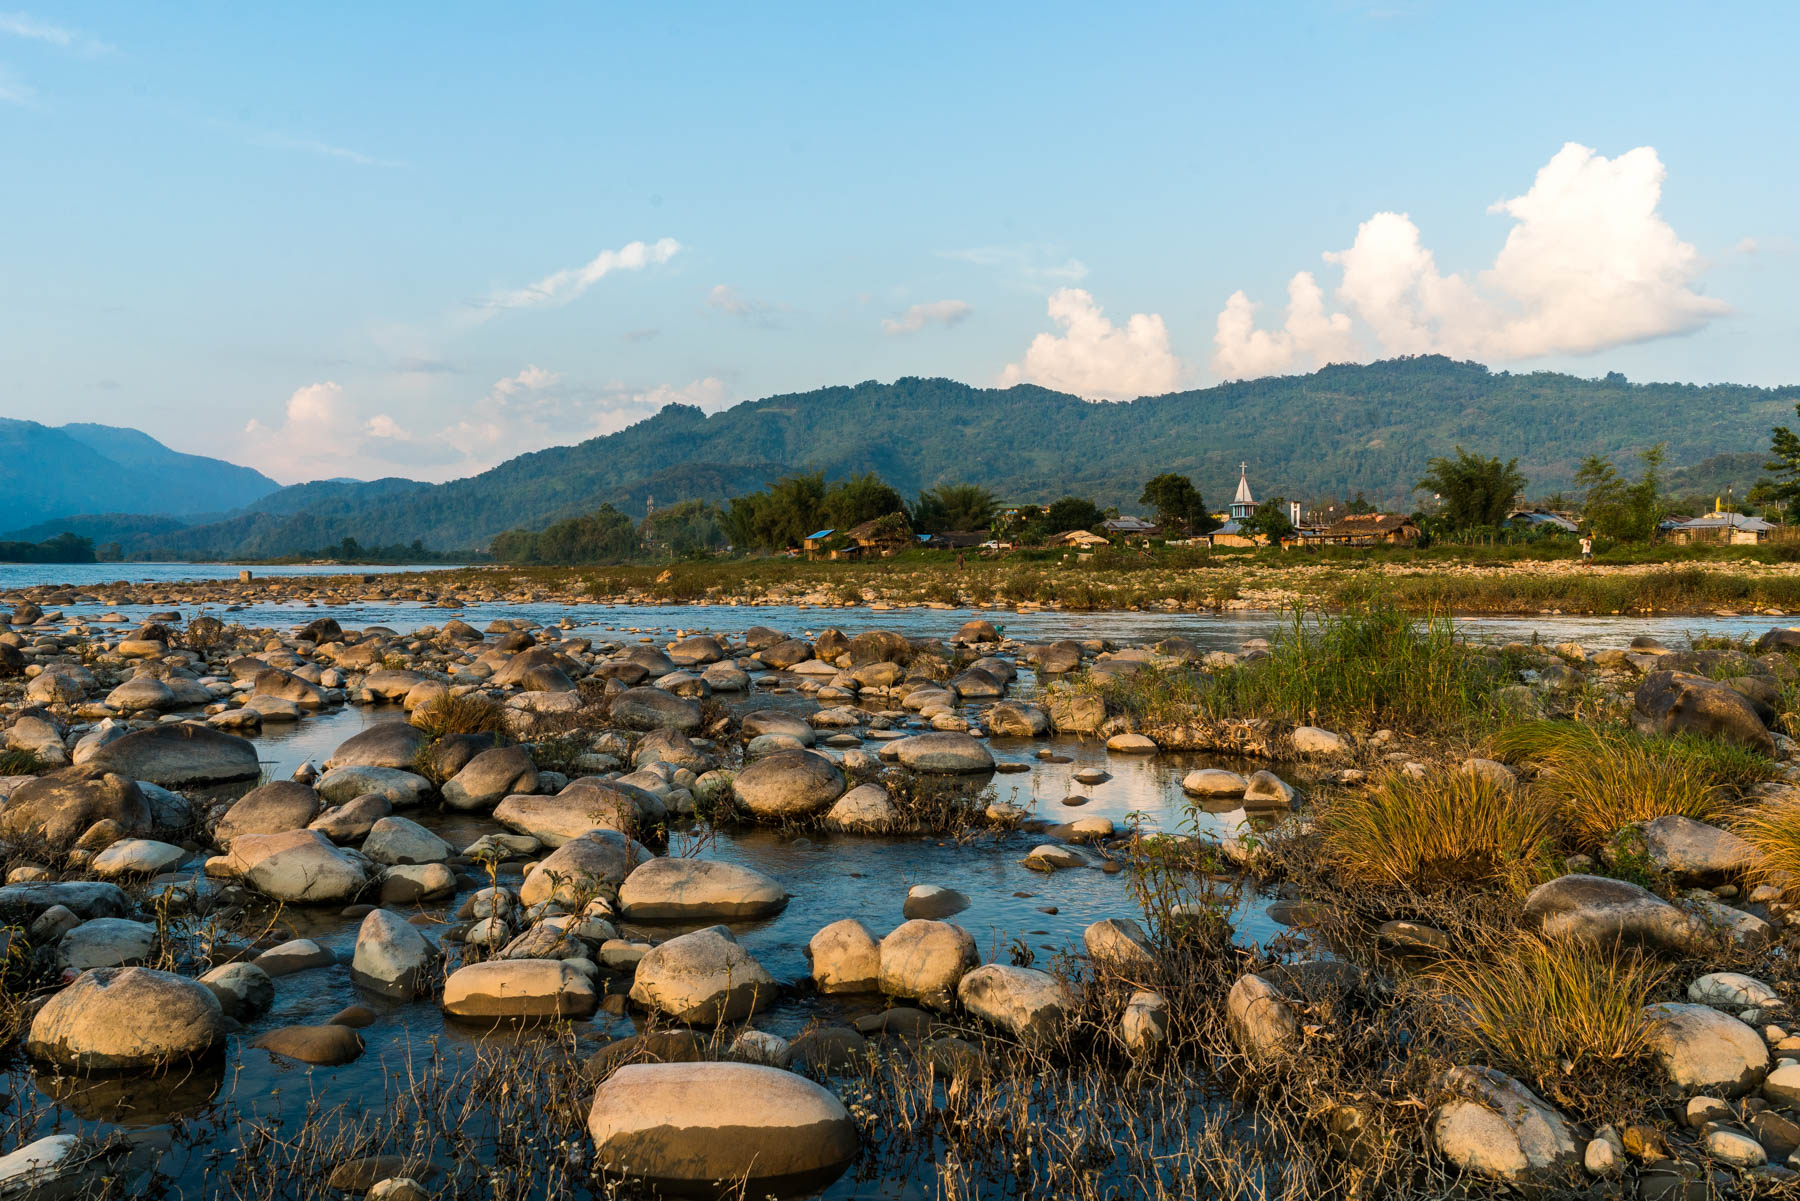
point(20, 762)
point(1441, 830)
point(1602, 779)
point(1556, 1013)
point(1365, 669)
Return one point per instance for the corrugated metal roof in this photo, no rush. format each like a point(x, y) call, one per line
point(814, 537)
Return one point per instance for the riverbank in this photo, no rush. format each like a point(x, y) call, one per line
point(1106, 582)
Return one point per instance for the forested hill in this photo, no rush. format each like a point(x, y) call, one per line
point(1339, 430)
point(48, 472)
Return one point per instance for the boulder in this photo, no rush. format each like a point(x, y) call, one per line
point(1734, 991)
point(702, 978)
point(273, 808)
point(322, 1046)
point(1214, 782)
point(698, 890)
point(1606, 911)
point(126, 1018)
point(1671, 702)
point(491, 777)
point(586, 804)
point(1016, 720)
point(1119, 945)
point(352, 821)
point(1261, 1018)
point(653, 709)
point(105, 942)
point(385, 744)
point(932, 901)
point(180, 753)
point(397, 840)
point(1704, 1051)
point(57, 1167)
point(681, 1128)
point(403, 789)
point(1034, 1006)
point(141, 692)
point(519, 990)
point(136, 857)
point(1144, 1026)
point(1265, 788)
point(596, 862)
point(391, 957)
point(845, 958)
point(1315, 743)
point(76, 806)
point(1497, 1128)
point(925, 960)
point(1076, 713)
point(944, 751)
point(244, 991)
point(865, 809)
point(298, 866)
point(1694, 852)
point(23, 903)
point(789, 784)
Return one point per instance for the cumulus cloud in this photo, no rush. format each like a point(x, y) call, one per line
point(321, 436)
point(1589, 264)
point(563, 286)
point(937, 312)
point(1092, 357)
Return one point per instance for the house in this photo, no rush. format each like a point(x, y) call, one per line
point(1083, 539)
point(814, 543)
point(1722, 527)
point(955, 539)
point(1368, 529)
point(1130, 527)
point(881, 536)
point(1243, 507)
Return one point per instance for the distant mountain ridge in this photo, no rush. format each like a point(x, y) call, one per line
point(49, 472)
point(1337, 431)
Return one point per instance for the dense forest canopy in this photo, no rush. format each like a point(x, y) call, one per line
point(1345, 429)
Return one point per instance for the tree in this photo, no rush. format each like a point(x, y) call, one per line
point(1475, 491)
point(1617, 509)
point(858, 499)
point(1072, 513)
point(603, 536)
point(1177, 503)
point(1271, 520)
point(954, 507)
point(782, 515)
point(1783, 491)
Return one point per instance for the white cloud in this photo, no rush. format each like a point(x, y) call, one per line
point(563, 286)
point(535, 409)
point(730, 301)
point(14, 90)
point(937, 312)
point(1095, 358)
point(321, 436)
point(1032, 264)
point(1588, 265)
point(279, 141)
point(24, 25)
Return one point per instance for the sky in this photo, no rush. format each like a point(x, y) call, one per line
point(402, 239)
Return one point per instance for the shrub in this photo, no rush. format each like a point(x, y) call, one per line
point(1773, 828)
point(470, 713)
point(1601, 780)
point(1553, 1011)
point(1444, 828)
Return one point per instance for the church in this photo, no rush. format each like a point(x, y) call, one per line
point(1243, 506)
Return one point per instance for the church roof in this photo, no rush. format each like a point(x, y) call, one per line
point(1243, 496)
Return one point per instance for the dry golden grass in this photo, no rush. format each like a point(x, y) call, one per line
point(1773, 828)
point(1556, 1012)
point(1440, 829)
point(471, 713)
point(1601, 780)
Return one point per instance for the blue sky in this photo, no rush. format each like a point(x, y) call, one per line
point(351, 239)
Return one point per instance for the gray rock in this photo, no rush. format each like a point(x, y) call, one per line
point(180, 753)
point(1035, 1007)
point(698, 890)
point(106, 942)
point(1606, 911)
point(120, 1019)
point(403, 789)
point(654, 709)
point(1497, 1128)
point(520, 990)
point(391, 956)
point(490, 778)
point(394, 744)
point(944, 751)
point(845, 958)
point(789, 784)
point(77, 806)
point(925, 960)
point(244, 991)
point(1703, 1050)
point(702, 978)
point(273, 808)
point(397, 840)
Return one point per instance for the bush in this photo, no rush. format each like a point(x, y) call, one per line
point(470, 713)
point(1555, 1012)
point(1442, 829)
point(1601, 780)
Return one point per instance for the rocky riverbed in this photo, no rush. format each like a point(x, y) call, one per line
point(727, 898)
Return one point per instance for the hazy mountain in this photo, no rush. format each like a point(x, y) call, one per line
point(1368, 428)
point(48, 472)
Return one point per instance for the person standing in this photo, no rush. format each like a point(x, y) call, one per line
point(1587, 548)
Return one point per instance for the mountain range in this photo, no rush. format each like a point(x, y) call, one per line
point(1337, 431)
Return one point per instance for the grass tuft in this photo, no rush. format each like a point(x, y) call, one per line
point(471, 713)
point(1564, 1015)
point(1438, 830)
point(1602, 780)
point(1773, 828)
point(20, 762)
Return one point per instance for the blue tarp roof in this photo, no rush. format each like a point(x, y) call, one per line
point(814, 537)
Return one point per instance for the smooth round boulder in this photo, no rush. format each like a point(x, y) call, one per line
point(1035, 1007)
point(141, 692)
point(272, 808)
point(1214, 782)
point(63, 807)
point(924, 960)
point(865, 809)
point(180, 753)
point(384, 744)
point(1119, 945)
point(522, 990)
point(299, 866)
point(136, 857)
point(397, 840)
point(1496, 1127)
point(586, 804)
point(244, 991)
point(697, 1129)
point(845, 958)
point(789, 784)
point(391, 956)
point(673, 889)
point(490, 777)
point(943, 752)
point(933, 901)
point(599, 860)
point(322, 1046)
point(1704, 1051)
point(702, 978)
point(762, 722)
point(403, 789)
point(126, 1018)
point(647, 709)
